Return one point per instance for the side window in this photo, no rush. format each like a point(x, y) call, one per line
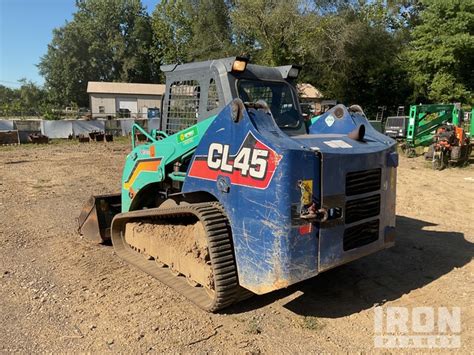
point(183, 105)
point(101, 109)
point(213, 96)
point(286, 103)
point(252, 92)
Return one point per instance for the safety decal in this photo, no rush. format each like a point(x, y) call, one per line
point(329, 120)
point(149, 165)
point(307, 206)
point(253, 164)
point(306, 188)
point(338, 144)
point(187, 136)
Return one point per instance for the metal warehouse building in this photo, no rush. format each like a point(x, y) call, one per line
point(123, 99)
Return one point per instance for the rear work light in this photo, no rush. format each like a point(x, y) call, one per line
point(239, 65)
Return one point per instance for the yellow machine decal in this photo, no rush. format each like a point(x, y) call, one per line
point(306, 187)
point(150, 165)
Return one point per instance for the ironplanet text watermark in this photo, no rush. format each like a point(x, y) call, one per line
point(417, 327)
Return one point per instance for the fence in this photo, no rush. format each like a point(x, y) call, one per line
point(149, 113)
point(73, 128)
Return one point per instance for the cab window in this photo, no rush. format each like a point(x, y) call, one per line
point(278, 96)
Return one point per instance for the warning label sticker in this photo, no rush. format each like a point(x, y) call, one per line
point(338, 144)
point(329, 120)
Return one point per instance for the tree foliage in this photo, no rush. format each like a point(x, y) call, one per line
point(441, 52)
point(274, 32)
point(211, 29)
point(28, 100)
point(190, 30)
point(357, 60)
point(172, 32)
point(107, 40)
point(370, 52)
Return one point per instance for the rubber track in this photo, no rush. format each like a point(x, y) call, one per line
point(216, 225)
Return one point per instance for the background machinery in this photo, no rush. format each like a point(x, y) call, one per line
point(468, 124)
point(442, 129)
point(379, 121)
point(396, 126)
point(237, 195)
point(451, 146)
point(423, 122)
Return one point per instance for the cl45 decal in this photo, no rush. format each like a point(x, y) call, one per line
point(253, 164)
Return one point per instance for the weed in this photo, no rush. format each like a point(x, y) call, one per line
point(312, 323)
point(253, 327)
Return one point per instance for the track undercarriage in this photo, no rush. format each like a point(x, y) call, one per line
point(188, 247)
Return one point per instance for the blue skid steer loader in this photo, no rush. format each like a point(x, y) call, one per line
point(237, 195)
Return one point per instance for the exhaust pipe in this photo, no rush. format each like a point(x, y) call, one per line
point(358, 133)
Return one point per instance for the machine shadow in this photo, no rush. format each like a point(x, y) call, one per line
point(419, 257)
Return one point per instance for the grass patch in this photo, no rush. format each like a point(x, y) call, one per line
point(122, 140)
point(60, 141)
point(253, 327)
point(312, 323)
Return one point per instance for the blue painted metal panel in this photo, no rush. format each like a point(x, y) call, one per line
point(274, 247)
point(341, 155)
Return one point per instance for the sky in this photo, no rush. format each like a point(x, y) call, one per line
point(26, 28)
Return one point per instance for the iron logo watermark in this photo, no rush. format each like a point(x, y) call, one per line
point(417, 327)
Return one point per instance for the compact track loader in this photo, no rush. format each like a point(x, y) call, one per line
point(236, 195)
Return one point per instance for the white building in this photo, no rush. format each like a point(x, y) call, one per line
point(123, 99)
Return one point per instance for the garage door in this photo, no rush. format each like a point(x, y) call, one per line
point(129, 104)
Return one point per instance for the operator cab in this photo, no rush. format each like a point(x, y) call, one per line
point(274, 87)
point(197, 91)
point(277, 95)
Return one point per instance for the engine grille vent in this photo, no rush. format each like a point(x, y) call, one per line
point(361, 235)
point(362, 208)
point(361, 182)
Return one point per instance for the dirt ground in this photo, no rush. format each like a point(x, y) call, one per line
point(59, 293)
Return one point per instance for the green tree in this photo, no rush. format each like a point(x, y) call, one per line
point(356, 57)
point(211, 31)
point(350, 50)
point(24, 101)
point(31, 97)
point(9, 100)
point(441, 52)
point(106, 40)
point(274, 32)
point(172, 32)
point(191, 30)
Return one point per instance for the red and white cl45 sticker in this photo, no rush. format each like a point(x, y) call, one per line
point(253, 165)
